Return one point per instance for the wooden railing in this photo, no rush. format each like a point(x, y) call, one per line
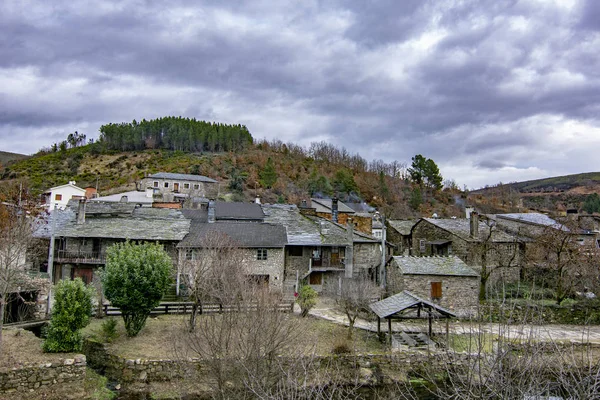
point(176, 307)
point(84, 257)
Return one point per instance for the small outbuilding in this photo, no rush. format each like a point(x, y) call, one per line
point(445, 281)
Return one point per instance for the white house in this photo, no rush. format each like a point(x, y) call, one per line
point(60, 195)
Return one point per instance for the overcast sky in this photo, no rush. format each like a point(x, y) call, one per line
point(491, 90)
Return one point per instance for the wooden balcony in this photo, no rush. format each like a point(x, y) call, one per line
point(79, 257)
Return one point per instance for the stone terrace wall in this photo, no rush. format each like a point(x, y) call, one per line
point(30, 378)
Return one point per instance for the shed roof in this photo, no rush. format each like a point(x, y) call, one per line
point(533, 218)
point(182, 177)
point(403, 301)
point(243, 234)
point(436, 265)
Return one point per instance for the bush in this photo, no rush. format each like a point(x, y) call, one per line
point(341, 346)
point(71, 313)
point(135, 279)
point(307, 299)
point(109, 330)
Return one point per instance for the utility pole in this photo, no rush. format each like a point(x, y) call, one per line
point(51, 259)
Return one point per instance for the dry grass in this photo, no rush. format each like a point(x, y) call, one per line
point(161, 337)
point(21, 347)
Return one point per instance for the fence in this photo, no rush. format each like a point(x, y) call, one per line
point(178, 307)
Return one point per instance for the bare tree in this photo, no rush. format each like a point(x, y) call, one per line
point(242, 345)
point(565, 259)
point(16, 241)
point(353, 296)
point(213, 272)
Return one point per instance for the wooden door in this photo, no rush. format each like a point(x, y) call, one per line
point(86, 274)
point(315, 278)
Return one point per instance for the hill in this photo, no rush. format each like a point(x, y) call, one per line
point(553, 194)
point(7, 158)
point(275, 171)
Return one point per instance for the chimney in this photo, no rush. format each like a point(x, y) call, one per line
point(71, 183)
point(211, 211)
point(349, 257)
point(149, 192)
point(257, 200)
point(474, 225)
point(468, 211)
point(334, 209)
point(81, 212)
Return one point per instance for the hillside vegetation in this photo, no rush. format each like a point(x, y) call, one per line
point(276, 171)
point(6, 157)
point(553, 194)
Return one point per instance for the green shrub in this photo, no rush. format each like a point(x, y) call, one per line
point(307, 299)
point(109, 330)
point(135, 278)
point(71, 312)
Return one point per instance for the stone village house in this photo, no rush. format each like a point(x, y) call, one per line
point(446, 281)
point(475, 242)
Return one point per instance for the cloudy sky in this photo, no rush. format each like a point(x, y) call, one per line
point(496, 90)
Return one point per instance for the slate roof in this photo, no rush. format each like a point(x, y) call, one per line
point(533, 218)
point(436, 265)
point(133, 196)
point(305, 230)
point(244, 234)
point(142, 223)
point(462, 229)
point(401, 302)
point(238, 211)
point(324, 206)
point(182, 177)
point(403, 227)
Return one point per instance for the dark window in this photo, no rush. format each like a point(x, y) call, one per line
point(436, 290)
point(295, 251)
point(261, 254)
point(58, 197)
point(155, 184)
point(316, 278)
point(186, 185)
point(166, 184)
point(196, 186)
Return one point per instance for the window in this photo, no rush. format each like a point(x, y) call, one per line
point(422, 245)
point(186, 185)
point(295, 251)
point(261, 254)
point(155, 184)
point(190, 255)
point(58, 197)
point(436, 290)
point(196, 186)
point(166, 184)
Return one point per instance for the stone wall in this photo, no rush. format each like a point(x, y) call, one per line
point(272, 266)
point(32, 377)
point(370, 369)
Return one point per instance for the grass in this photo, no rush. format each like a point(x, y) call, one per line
point(158, 338)
point(21, 347)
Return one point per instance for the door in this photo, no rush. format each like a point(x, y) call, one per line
point(176, 187)
point(315, 278)
point(86, 274)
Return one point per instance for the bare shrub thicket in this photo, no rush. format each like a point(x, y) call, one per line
point(518, 361)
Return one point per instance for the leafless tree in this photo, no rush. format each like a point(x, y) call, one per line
point(565, 259)
point(512, 362)
point(213, 273)
point(353, 296)
point(16, 241)
point(497, 256)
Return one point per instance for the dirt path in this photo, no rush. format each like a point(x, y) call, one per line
point(575, 333)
